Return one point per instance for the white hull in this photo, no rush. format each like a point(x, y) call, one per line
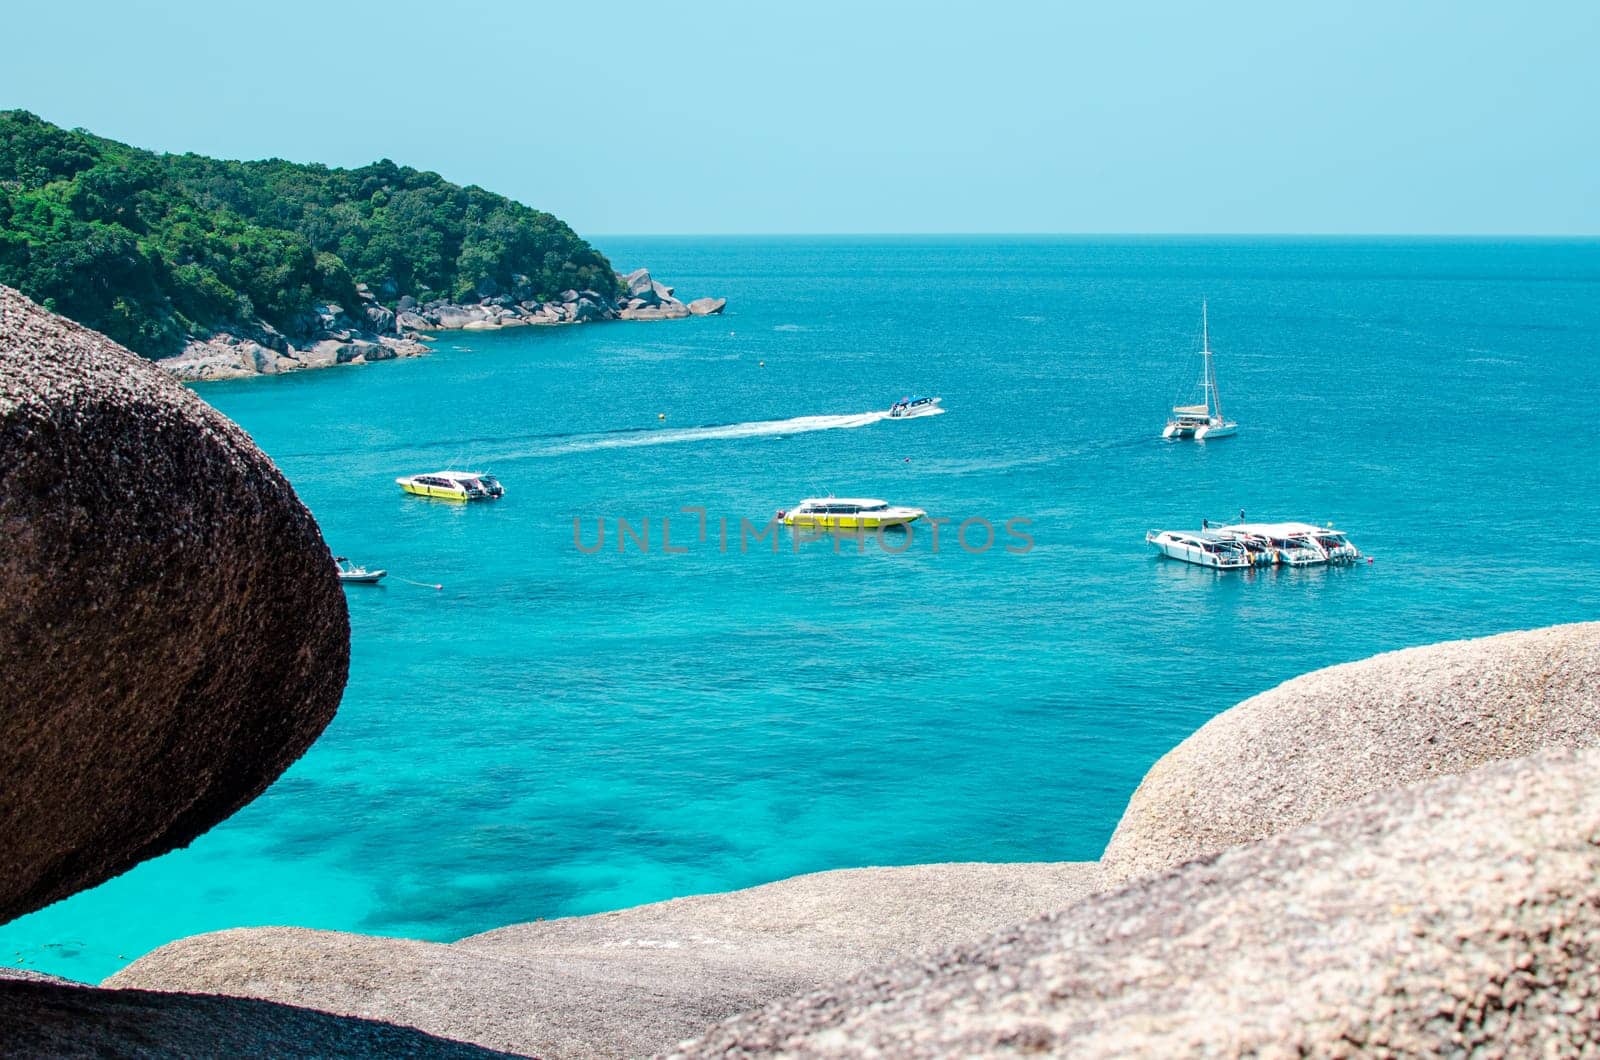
point(923, 407)
point(1297, 557)
point(1243, 545)
point(1291, 544)
point(1200, 432)
point(1177, 547)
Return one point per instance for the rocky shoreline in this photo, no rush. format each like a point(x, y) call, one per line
point(1398, 856)
point(372, 331)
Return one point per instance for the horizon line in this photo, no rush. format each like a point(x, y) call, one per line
point(1574, 237)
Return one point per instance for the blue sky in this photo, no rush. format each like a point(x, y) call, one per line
point(1400, 117)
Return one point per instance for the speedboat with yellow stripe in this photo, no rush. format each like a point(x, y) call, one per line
point(848, 513)
point(453, 485)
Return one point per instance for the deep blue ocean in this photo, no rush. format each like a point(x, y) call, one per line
point(556, 732)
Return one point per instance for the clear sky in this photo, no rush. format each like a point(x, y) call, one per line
point(823, 116)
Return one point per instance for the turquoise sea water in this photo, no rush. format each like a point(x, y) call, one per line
point(556, 732)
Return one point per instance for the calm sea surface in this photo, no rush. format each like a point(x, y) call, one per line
point(555, 732)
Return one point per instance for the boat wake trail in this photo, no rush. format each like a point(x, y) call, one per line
point(716, 432)
point(487, 450)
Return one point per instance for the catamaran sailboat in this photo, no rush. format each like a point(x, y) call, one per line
point(1204, 420)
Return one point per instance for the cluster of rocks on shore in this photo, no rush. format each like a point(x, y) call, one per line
point(334, 334)
point(1393, 857)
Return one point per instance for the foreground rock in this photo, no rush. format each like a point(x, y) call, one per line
point(629, 982)
point(1458, 916)
point(172, 635)
point(1291, 755)
point(39, 1019)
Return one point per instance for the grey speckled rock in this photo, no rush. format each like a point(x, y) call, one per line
point(670, 309)
point(628, 982)
point(45, 1020)
point(1437, 919)
point(171, 631)
point(30, 976)
point(1291, 755)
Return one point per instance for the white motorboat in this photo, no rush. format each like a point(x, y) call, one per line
point(1291, 544)
point(1204, 420)
point(909, 407)
point(1237, 545)
point(1202, 548)
point(354, 574)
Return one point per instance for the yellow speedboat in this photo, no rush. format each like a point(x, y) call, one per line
point(848, 513)
point(453, 485)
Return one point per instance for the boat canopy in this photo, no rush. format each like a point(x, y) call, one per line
point(855, 502)
point(1278, 529)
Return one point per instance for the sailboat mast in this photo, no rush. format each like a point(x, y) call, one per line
point(1212, 394)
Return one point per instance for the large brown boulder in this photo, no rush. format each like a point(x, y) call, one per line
point(625, 983)
point(1293, 754)
point(171, 631)
point(1460, 917)
point(39, 1019)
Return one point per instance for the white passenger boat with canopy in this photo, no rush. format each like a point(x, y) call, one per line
point(848, 513)
point(1293, 544)
point(1242, 544)
point(453, 485)
point(1202, 548)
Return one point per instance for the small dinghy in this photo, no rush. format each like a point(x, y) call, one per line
point(352, 574)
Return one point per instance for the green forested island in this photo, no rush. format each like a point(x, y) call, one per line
point(154, 249)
